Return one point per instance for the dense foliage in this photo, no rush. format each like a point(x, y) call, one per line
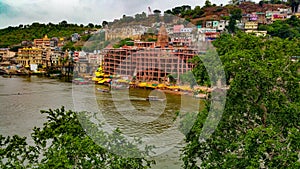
point(289, 28)
point(261, 121)
point(62, 143)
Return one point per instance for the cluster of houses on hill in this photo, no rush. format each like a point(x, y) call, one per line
point(210, 27)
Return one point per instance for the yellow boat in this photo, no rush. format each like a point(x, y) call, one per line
point(161, 86)
point(105, 80)
point(96, 79)
point(143, 84)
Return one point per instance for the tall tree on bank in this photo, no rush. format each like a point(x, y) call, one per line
point(235, 15)
point(261, 121)
point(294, 4)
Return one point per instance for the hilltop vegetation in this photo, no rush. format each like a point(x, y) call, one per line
point(15, 35)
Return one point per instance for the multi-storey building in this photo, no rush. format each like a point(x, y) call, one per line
point(209, 24)
point(148, 64)
point(86, 63)
point(119, 61)
point(75, 37)
point(149, 61)
point(177, 28)
point(261, 17)
point(5, 54)
point(256, 32)
point(181, 41)
point(155, 64)
point(251, 26)
point(43, 42)
point(278, 16)
point(56, 58)
point(218, 25)
point(28, 56)
point(141, 44)
point(222, 24)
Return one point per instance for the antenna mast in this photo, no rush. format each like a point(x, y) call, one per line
point(149, 11)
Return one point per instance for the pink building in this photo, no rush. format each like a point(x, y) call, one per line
point(177, 28)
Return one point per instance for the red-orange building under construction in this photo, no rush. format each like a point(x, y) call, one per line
point(149, 61)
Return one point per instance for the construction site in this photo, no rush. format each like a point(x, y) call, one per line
point(149, 61)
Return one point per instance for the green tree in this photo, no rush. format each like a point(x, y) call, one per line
point(284, 29)
point(157, 12)
point(207, 3)
point(235, 14)
point(104, 23)
point(168, 12)
point(63, 23)
point(260, 123)
point(62, 143)
point(90, 25)
point(68, 46)
point(294, 4)
point(123, 42)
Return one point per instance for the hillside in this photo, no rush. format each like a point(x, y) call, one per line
point(222, 12)
point(15, 35)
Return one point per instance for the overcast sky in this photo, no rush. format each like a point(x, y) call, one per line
point(15, 12)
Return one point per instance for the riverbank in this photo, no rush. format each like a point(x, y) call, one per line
point(200, 92)
point(51, 72)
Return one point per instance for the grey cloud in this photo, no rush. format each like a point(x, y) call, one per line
point(82, 11)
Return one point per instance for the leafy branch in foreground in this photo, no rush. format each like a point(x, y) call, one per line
point(63, 143)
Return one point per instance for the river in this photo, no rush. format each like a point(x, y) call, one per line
point(22, 98)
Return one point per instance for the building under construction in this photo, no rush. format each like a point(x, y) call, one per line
point(149, 61)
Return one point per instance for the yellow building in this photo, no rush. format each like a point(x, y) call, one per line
point(27, 56)
point(251, 26)
point(256, 32)
point(44, 42)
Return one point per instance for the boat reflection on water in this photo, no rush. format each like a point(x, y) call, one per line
point(155, 98)
point(103, 90)
point(80, 81)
